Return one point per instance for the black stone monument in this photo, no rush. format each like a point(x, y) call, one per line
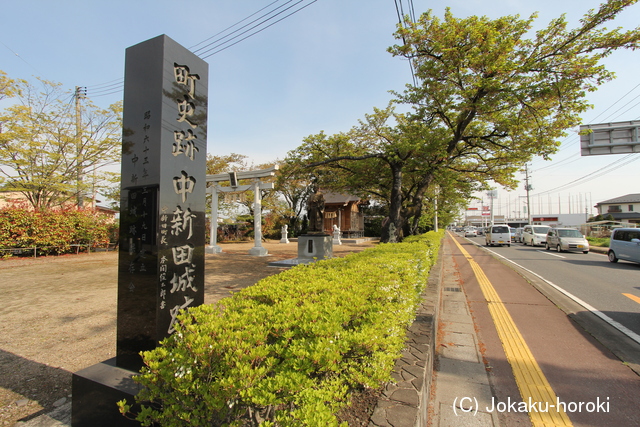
point(162, 218)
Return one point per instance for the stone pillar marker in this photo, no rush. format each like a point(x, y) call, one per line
point(162, 218)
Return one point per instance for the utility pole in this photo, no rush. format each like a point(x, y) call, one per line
point(528, 188)
point(80, 93)
point(493, 193)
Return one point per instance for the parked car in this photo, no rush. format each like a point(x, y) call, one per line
point(566, 239)
point(535, 235)
point(498, 235)
point(470, 232)
point(518, 236)
point(624, 244)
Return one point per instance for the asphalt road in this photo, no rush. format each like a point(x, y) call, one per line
point(589, 277)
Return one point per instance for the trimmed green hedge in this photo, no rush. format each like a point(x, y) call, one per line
point(289, 350)
point(53, 231)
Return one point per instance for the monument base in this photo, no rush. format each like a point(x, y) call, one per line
point(315, 247)
point(95, 391)
point(212, 249)
point(258, 251)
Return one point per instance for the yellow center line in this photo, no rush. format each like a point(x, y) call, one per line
point(633, 297)
point(532, 383)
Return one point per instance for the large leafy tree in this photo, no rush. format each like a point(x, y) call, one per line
point(487, 99)
point(44, 154)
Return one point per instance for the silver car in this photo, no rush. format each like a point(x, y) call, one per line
point(470, 232)
point(566, 239)
point(625, 244)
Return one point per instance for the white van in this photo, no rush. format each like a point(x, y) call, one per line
point(498, 234)
point(535, 235)
point(624, 244)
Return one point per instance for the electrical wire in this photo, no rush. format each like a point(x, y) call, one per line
point(576, 156)
point(219, 45)
point(117, 86)
point(612, 105)
point(402, 22)
point(229, 27)
point(595, 174)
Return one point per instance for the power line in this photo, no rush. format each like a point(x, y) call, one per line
point(620, 99)
point(116, 86)
point(229, 27)
point(596, 174)
point(402, 22)
point(22, 59)
point(219, 45)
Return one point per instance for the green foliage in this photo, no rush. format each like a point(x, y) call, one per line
point(53, 231)
point(289, 350)
point(44, 154)
point(602, 242)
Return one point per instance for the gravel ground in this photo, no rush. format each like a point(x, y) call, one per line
point(58, 316)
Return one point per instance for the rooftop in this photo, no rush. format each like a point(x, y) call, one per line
point(629, 198)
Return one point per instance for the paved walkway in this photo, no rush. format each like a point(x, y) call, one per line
point(461, 381)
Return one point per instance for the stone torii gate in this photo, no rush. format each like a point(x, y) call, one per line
point(256, 186)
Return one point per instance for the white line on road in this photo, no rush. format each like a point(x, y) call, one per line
point(550, 253)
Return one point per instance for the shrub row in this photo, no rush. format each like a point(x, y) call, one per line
point(291, 349)
point(53, 231)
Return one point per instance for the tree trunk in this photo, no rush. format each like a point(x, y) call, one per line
point(392, 231)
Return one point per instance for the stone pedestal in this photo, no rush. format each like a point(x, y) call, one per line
point(258, 251)
point(315, 247)
point(212, 249)
point(96, 390)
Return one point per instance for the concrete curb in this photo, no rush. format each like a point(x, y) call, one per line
point(404, 402)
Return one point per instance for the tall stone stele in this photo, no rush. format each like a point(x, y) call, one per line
point(162, 218)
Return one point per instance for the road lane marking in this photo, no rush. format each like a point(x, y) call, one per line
point(531, 381)
point(633, 297)
point(550, 253)
point(619, 326)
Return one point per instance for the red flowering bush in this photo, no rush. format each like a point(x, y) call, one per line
point(53, 231)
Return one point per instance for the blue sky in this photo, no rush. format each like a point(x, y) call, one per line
point(322, 68)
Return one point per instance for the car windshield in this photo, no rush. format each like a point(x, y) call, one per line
point(540, 230)
point(500, 230)
point(569, 233)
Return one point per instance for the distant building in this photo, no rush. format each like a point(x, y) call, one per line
point(624, 208)
point(559, 220)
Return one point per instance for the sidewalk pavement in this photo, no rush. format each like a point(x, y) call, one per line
point(460, 379)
